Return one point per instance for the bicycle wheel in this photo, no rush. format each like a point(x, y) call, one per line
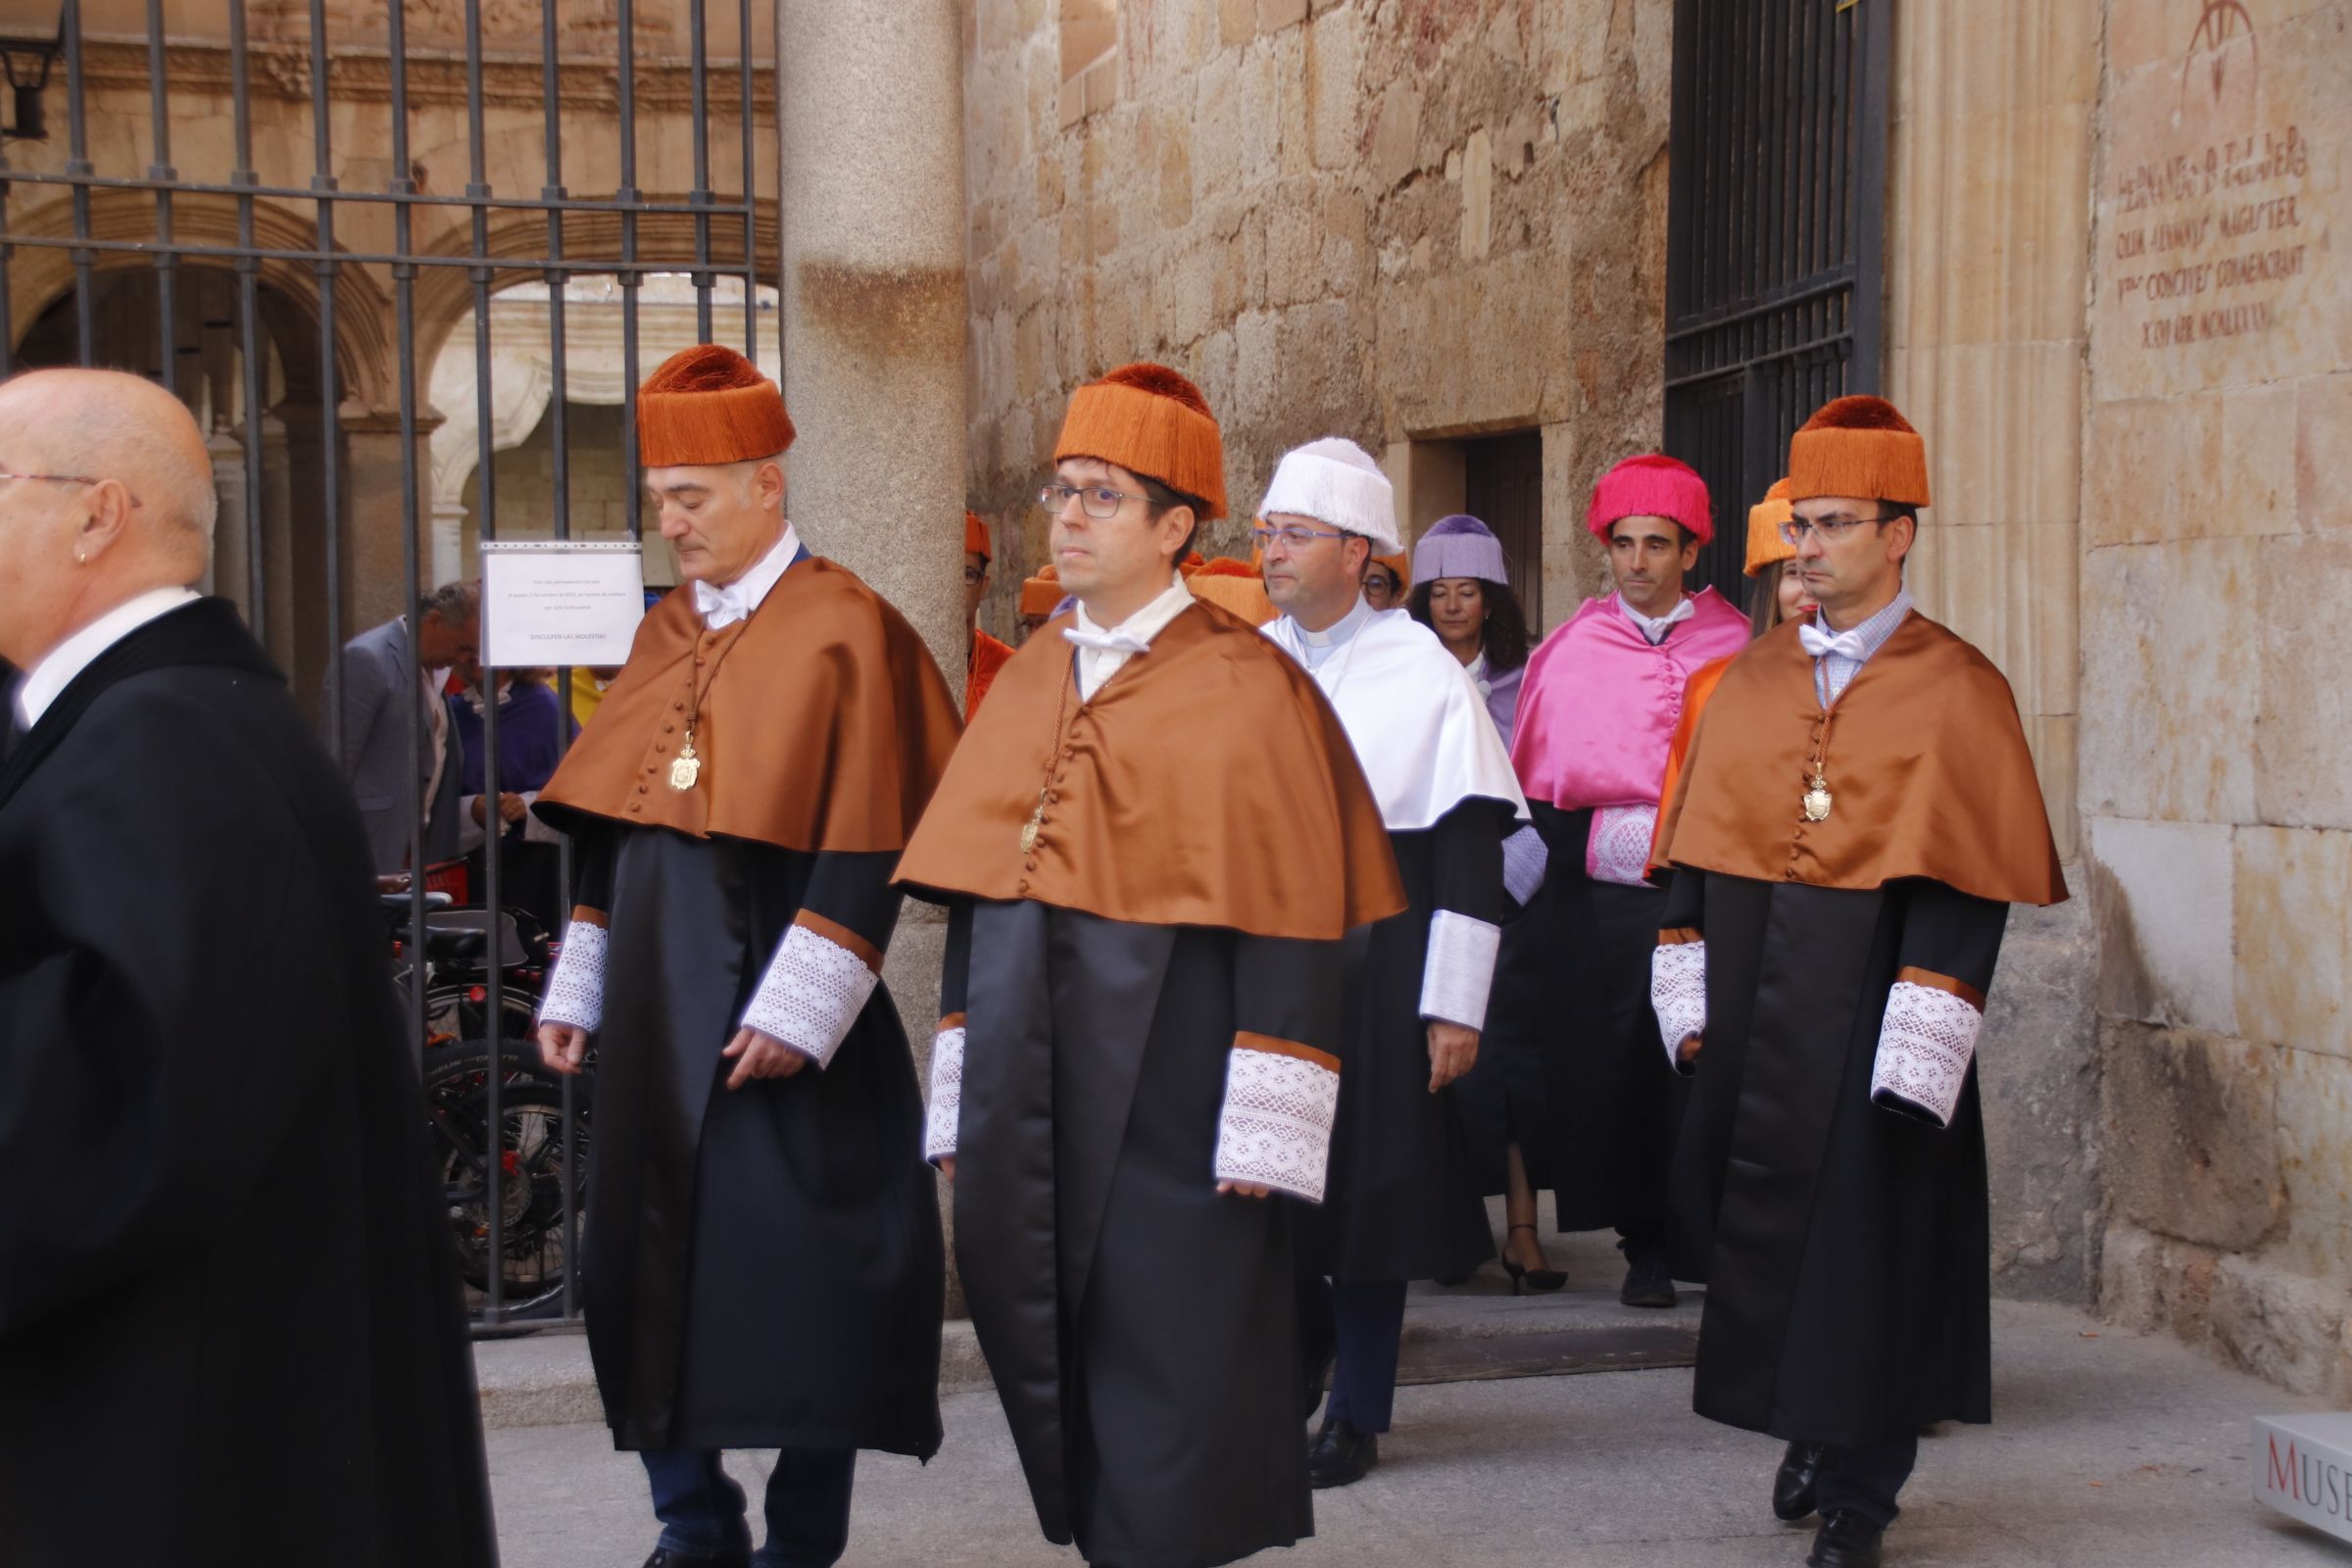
point(539, 1152)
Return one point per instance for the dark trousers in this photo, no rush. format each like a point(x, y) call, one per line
point(1360, 1325)
point(1866, 1479)
point(702, 1509)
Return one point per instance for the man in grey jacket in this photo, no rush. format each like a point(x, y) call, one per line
point(378, 703)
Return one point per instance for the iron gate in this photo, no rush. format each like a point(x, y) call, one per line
point(1775, 236)
point(260, 279)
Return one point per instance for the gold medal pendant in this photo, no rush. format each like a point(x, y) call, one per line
point(1817, 799)
point(1036, 819)
point(685, 769)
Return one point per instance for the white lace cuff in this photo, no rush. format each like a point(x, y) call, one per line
point(1925, 1047)
point(1618, 850)
point(1275, 1128)
point(1459, 969)
point(575, 988)
point(945, 1115)
point(812, 993)
point(1678, 992)
point(1523, 860)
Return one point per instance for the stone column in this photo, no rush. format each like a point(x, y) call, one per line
point(873, 292)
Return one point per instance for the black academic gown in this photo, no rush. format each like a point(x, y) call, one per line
point(1844, 1245)
point(1613, 1103)
point(761, 1267)
point(1140, 1325)
point(1404, 1198)
point(230, 1328)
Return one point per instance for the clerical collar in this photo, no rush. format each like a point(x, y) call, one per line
point(1655, 627)
point(1315, 647)
point(49, 677)
point(724, 607)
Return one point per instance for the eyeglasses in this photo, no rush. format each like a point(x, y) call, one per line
point(1831, 529)
point(64, 478)
point(973, 575)
point(1100, 501)
point(1294, 537)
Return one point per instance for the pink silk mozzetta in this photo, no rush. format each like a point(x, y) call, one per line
point(1598, 708)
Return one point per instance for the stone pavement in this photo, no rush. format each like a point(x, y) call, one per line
point(2109, 1450)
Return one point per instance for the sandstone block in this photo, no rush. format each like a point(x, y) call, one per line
point(2164, 896)
point(2189, 1133)
point(2294, 905)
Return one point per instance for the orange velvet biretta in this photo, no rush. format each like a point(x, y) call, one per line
point(706, 406)
point(1041, 593)
point(1764, 542)
point(1862, 448)
point(1151, 421)
point(975, 537)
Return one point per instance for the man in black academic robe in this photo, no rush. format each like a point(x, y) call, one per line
point(762, 1266)
point(1152, 842)
point(1856, 814)
point(230, 1328)
point(1404, 1201)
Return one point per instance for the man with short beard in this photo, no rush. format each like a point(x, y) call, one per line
point(1598, 713)
point(1404, 1201)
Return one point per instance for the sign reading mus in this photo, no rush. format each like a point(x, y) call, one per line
point(2303, 1468)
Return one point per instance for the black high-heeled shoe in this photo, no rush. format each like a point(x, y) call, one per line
point(1541, 1281)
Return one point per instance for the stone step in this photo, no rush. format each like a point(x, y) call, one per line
point(1451, 1334)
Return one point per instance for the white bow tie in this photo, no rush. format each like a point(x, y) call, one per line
point(721, 607)
point(1117, 640)
point(1821, 644)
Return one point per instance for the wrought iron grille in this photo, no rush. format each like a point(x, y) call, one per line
point(312, 281)
point(1775, 233)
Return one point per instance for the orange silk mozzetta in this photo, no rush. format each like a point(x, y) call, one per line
point(826, 728)
point(988, 656)
point(1207, 783)
point(1696, 692)
point(1925, 760)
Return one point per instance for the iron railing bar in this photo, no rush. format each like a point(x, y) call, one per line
point(751, 167)
point(1730, 368)
point(159, 169)
point(485, 453)
point(330, 399)
point(77, 164)
point(630, 281)
point(388, 258)
point(699, 53)
point(249, 310)
point(404, 311)
point(8, 362)
point(1746, 310)
point(717, 206)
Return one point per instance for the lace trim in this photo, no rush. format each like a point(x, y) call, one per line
point(1275, 1127)
point(1678, 993)
point(812, 993)
point(942, 1121)
point(1618, 850)
point(575, 990)
point(1524, 859)
point(1459, 969)
point(1925, 1048)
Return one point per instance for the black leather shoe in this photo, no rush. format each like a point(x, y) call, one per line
point(1846, 1541)
point(664, 1557)
point(1646, 1283)
point(1341, 1455)
point(1792, 1484)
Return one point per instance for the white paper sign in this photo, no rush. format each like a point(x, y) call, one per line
point(558, 603)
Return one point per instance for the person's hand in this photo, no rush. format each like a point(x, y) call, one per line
point(397, 882)
point(759, 1056)
point(563, 1047)
point(946, 1166)
point(1452, 1049)
point(510, 808)
point(1246, 1189)
point(479, 816)
point(1687, 1051)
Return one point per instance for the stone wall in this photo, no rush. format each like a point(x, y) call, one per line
point(1407, 223)
point(2215, 752)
